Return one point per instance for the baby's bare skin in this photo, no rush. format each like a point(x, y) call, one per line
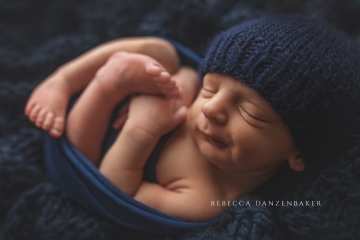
point(145, 76)
point(186, 80)
point(184, 179)
point(137, 73)
point(47, 105)
point(123, 163)
point(178, 187)
point(124, 74)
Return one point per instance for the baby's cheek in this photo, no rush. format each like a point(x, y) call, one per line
point(242, 152)
point(249, 147)
point(273, 143)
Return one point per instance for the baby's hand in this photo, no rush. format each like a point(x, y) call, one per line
point(155, 115)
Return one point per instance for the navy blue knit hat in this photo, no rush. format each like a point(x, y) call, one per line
point(309, 73)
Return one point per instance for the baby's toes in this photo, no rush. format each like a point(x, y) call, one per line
point(54, 132)
point(34, 113)
point(59, 123)
point(153, 68)
point(41, 117)
point(29, 106)
point(48, 122)
point(58, 127)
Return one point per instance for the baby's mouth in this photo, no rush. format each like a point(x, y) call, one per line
point(216, 141)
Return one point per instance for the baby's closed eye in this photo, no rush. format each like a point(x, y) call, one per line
point(252, 114)
point(207, 93)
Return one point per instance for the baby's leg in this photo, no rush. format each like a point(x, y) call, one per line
point(122, 75)
point(139, 73)
point(88, 119)
point(48, 102)
point(188, 84)
point(47, 105)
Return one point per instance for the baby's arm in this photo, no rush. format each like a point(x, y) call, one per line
point(124, 164)
point(47, 104)
point(186, 199)
point(149, 118)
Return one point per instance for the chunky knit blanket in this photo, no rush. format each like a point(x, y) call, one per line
point(38, 36)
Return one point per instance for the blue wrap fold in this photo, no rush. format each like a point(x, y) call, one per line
point(69, 169)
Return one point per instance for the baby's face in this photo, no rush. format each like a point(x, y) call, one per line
point(235, 129)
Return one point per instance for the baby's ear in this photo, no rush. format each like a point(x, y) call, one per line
point(296, 162)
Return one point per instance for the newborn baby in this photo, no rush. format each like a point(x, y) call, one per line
point(227, 142)
point(123, 74)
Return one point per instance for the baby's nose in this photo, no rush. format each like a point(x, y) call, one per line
point(215, 110)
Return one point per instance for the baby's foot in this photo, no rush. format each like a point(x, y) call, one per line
point(136, 73)
point(47, 105)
